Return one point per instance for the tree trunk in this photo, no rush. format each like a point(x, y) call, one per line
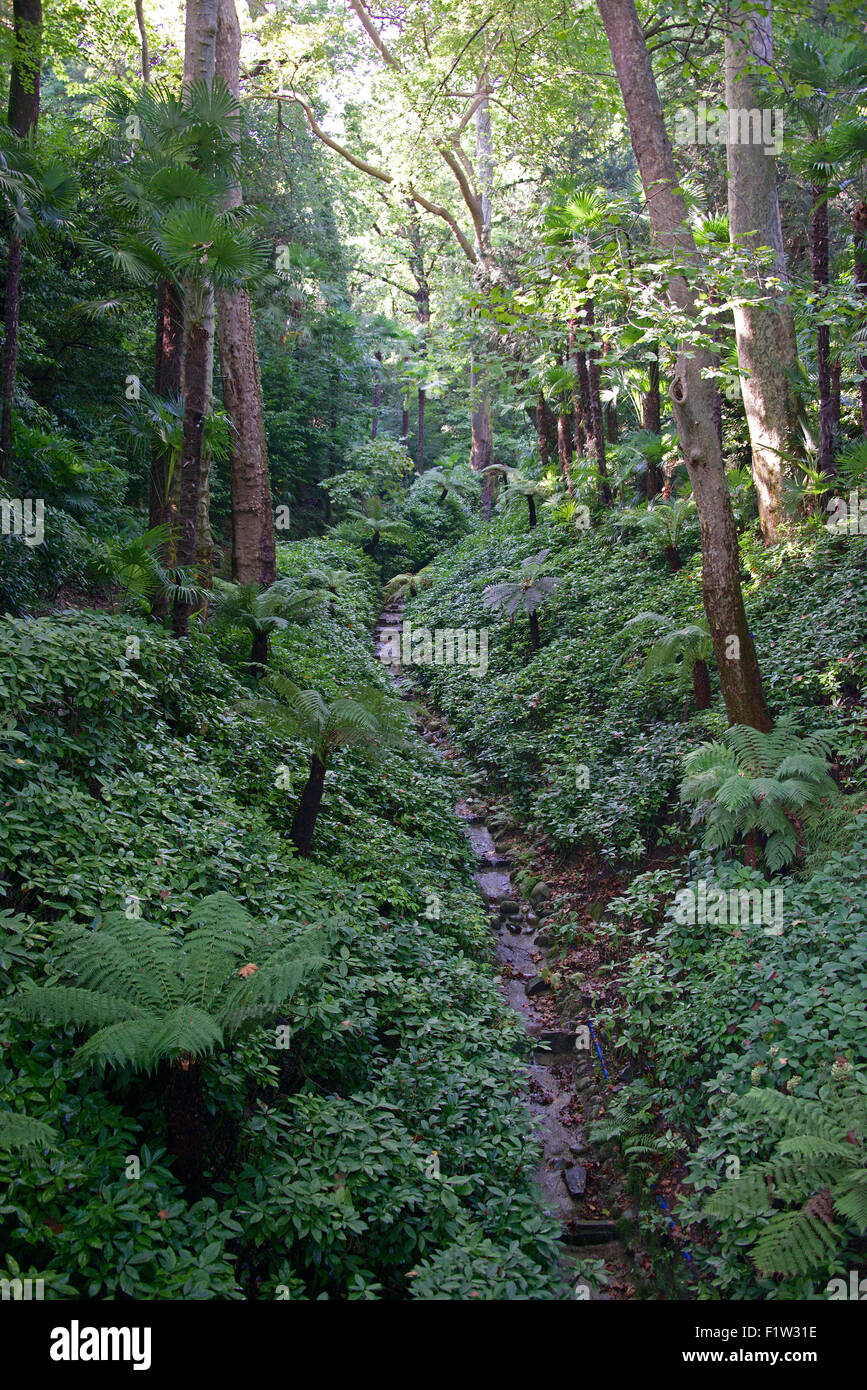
point(531, 508)
point(195, 405)
point(701, 685)
point(145, 54)
point(259, 652)
point(377, 397)
point(672, 555)
point(184, 1108)
point(253, 549)
point(419, 443)
point(691, 393)
point(651, 420)
point(167, 382)
point(767, 350)
point(580, 418)
point(564, 449)
point(26, 66)
point(200, 47)
point(23, 120)
point(597, 422)
point(534, 631)
point(541, 432)
point(304, 820)
point(819, 259)
point(482, 449)
point(859, 241)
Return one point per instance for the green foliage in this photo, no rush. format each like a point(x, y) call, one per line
point(147, 998)
point(817, 1167)
point(367, 719)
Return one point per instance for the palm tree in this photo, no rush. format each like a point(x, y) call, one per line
point(151, 1000)
point(134, 565)
point(521, 486)
point(683, 651)
point(263, 612)
point(526, 594)
point(367, 719)
point(406, 585)
point(662, 523)
point(450, 484)
point(370, 521)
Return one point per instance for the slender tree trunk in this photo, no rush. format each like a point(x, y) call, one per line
point(691, 393)
point(765, 334)
point(482, 449)
point(377, 397)
point(564, 449)
point(259, 651)
point(594, 392)
point(651, 420)
point(419, 432)
point(819, 259)
point(701, 685)
point(304, 820)
point(167, 382)
point(672, 555)
point(194, 541)
point(859, 242)
point(531, 509)
point(253, 548)
point(579, 415)
point(184, 1106)
point(534, 631)
point(145, 53)
point(200, 46)
point(23, 121)
point(541, 432)
point(195, 407)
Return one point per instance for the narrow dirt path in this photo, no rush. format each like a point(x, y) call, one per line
point(561, 1069)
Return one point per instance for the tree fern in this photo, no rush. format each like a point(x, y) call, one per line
point(817, 1168)
point(149, 999)
point(774, 785)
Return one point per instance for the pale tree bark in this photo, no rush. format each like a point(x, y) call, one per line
point(200, 44)
point(253, 550)
point(23, 120)
point(482, 448)
point(765, 334)
point(691, 392)
point(859, 238)
point(194, 542)
point(145, 52)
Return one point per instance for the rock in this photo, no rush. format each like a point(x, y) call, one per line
point(576, 1180)
point(544, 938)
point(557, 1041)
point(589, 1233)
point(509, 908)
point(537, 986)
point(539, 893)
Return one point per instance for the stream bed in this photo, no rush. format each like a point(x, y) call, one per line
point(560, 1070)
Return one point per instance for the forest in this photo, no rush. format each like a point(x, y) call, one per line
point(433, 653)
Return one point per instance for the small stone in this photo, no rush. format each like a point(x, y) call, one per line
point(539, 893)
point(545, 939)
point(532, 919)
point(576, 1180)
point(509, 908)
